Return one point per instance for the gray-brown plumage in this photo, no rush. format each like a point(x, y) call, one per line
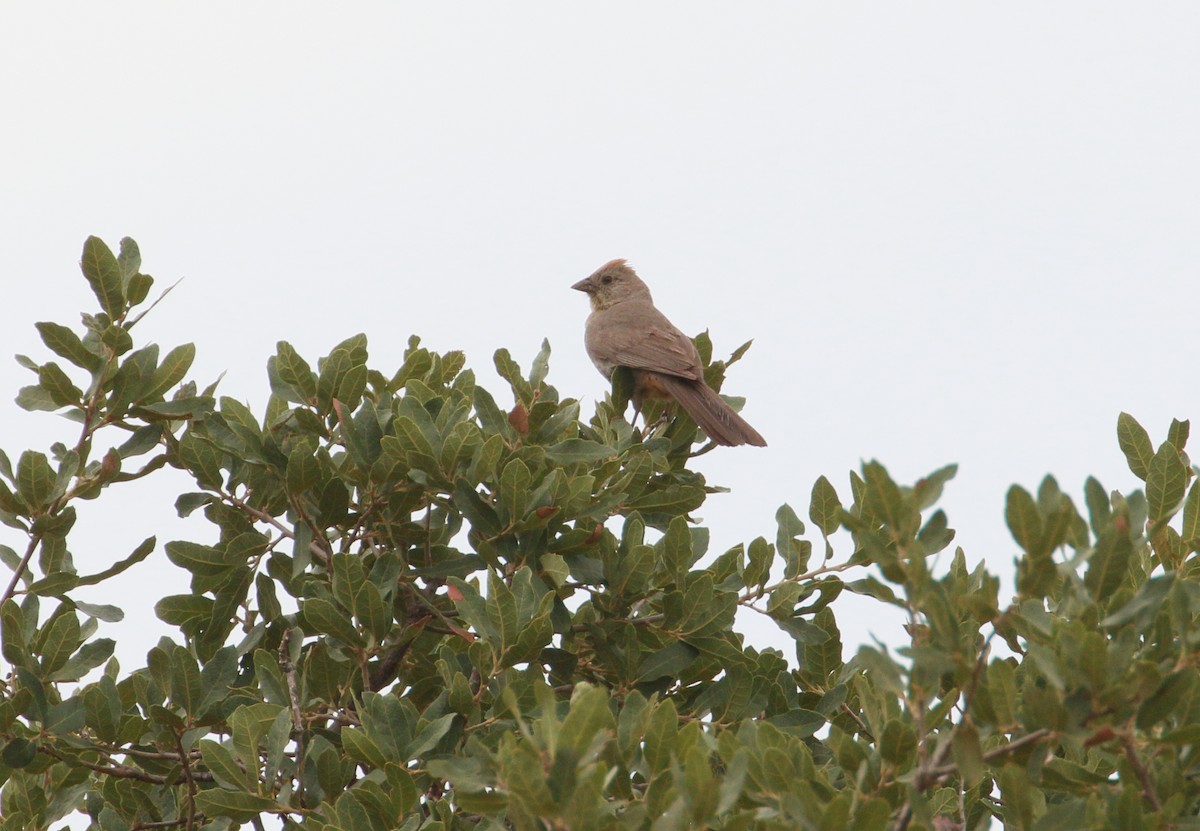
point(625, 329)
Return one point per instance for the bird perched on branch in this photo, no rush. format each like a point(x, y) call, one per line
point(625, 329)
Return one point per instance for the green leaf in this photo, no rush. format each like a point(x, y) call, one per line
point(170, 372)
point(1145, 604)
point(1108, 565)
point(428, 737)
point(929, 489)
point(35, 480)
point(58, 386)
point(60, 640)
point(250, 724)
point(303, 470)
point(968, 755)
point(237, 805)
point(514, 489)
point(466, 773)
point(884, 499)
point(511, 372)
point(1135, 444)
point(12, 633)
point(676, 548)
point(140, 553)
point(66, 344)
point(584, 451)
point(201, 459)
point(1178, 434)
point(825, 509)
point(412, 442)
point(184, 610)
point(326, 618)
point(358, 746)
point(291, 377)
point(667, 662)
point(1024, 521)
point(203, 560)
point(898, 743)
point(1162, 703)
point(187, 503)
point(100, 611)
point(662, 735)
point(18, 753)
point(222, 765)
point(36, 399)
point(103, 273)
point(758, 568)
point(795, 552)
point(479, 513)
point(139, 286)
point(1190, 530)
point(1099, 508)
point(129, 257)
point(1166, 481)
point(541, 365)
point(89, 656)
point(671, 500)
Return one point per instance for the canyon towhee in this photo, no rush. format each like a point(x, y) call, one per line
point(625, 329)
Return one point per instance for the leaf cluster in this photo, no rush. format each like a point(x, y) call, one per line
point(419, 608)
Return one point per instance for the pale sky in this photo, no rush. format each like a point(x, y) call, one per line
point(958, 232)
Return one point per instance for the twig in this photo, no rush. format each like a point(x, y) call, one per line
point(1139, 768)
point(168, 823)
point(936, 775)
point(19, 571)
point(866, 731)
point(150, 308)
point(994, 754)
point(289, 671)
point(816, 572)
point(119, 771)
point(263, 516)
point(185, 761)
point(385, 670)
point(147, 754)
point(644, 620)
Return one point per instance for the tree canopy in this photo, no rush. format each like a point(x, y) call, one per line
point(419, 608)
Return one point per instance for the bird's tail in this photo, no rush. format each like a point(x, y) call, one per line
point(715, 417)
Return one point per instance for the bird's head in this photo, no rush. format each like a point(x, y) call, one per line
point(612, 283)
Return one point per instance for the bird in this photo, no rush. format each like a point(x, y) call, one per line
point(626, 329)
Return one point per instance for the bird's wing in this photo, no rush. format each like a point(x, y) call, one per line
point(641, 337)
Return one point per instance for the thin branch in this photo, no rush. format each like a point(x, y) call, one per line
point(939, 774)
point(289, 672)
point(263, 516)
point(150, 308)
point(148, 754)
point(168, 823)
point(119, 771)
point(995, 754)
point(751, 596)
point(1143, 775)
point(19, 571)
point(866, 731)
point(644, 620)
point(385, 670)
point(191, 783)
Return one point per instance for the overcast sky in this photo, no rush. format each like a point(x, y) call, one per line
point(957, 232)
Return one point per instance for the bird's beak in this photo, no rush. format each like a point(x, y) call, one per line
point(585, 285)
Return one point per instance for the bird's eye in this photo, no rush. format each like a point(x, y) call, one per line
point(606, 279)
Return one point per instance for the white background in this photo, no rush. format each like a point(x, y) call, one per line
point(958, 232)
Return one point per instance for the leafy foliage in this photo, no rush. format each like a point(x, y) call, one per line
point(422, 610)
